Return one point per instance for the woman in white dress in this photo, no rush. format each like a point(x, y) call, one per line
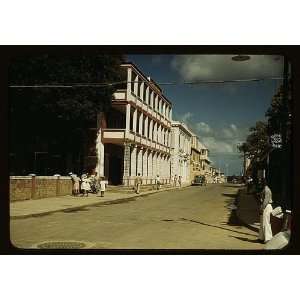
point(265, 230)
point(85, 185)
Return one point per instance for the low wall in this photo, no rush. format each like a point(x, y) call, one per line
point(36, 187)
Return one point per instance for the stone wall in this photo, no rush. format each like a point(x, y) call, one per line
point(36, 187)
point(20, 188)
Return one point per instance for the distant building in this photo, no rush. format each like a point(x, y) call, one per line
point(135, 135)
point(206, 168)
point(195, 168)
point(180, 151)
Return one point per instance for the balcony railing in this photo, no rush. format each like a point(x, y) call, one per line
point(119, 136)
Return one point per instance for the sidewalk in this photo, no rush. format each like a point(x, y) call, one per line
point(40, 207)
point(248, 210)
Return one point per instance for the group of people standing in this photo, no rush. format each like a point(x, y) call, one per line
point(177, 181)
point(88, 184)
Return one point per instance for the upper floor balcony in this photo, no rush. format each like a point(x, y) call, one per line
point(121, 136)
point(122, 97)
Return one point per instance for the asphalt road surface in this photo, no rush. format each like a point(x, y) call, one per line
point(190, 218)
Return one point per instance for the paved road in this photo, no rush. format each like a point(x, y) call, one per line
point(190, 218)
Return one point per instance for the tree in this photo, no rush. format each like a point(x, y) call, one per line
point(276, 113)
point(56, 119)
point(257, 144)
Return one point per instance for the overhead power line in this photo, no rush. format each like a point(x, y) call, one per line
point(107, 84)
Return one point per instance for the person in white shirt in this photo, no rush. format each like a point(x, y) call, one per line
point(157, 182)
point(175, 180)
point(265, 230)
point(103, 184)
point(85, 185)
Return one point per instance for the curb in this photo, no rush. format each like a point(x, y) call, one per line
point(93, 204)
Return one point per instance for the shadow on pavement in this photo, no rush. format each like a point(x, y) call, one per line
point(234, 220)
point(75, 210)
point(256, 241)
point(210, 225)
point(229, 195)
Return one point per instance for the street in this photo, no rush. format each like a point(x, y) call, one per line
point(196, 217)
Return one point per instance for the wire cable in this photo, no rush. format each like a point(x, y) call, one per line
point(108, 84)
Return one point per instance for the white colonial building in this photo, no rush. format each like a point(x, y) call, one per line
point(180, 151)
point(135, 136)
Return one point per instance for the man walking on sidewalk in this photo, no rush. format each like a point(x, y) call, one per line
point(180, 181)
point(175, 180)
point(157, 182)
point(265, 230)
point(138, 182)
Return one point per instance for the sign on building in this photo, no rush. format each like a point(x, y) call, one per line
point(276, 141)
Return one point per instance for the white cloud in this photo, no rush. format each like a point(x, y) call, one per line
point(222, 67)
point(233, 127)
point(230, 132)
point(215, 145)
point(186, 117)
point(203, 128)
point(227, 133)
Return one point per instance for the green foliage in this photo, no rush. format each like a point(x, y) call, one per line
point(57, 116)
point(72, 104)
point(279, 114)
point(257, 144)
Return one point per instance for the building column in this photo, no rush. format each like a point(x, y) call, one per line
point(134, 120)
point(140, 161)
point(146, 126)
point(147, 95)
point(145, 160)
point(100, 154)
point(136, 85)
point(140, 124)
point(133, 161)
point(159, 134)
point(158, 164)
point(169, 167)
point(150, 164)
point(165, 166)
point(142, 91)
point(154, 164)
point(162, 168)
point(127, 117)
point(150, 129)
point(126, 164)
point(129, 78)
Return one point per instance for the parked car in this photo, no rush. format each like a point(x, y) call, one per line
point(199, 180)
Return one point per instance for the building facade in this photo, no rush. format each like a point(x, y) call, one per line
point(195, 162)
point(180, 151)
point(206, 168)
point(135, 136)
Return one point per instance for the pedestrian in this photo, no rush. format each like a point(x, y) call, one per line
point(93, 183)
point(265, 230)
point(175, 180)
point(179, 181)
point(157, 180)
point(249, 184)
point(138, 182)
point(75, 184)
point(85, 185)
point(103, 183)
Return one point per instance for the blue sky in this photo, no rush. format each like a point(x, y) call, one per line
point(220, 114)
